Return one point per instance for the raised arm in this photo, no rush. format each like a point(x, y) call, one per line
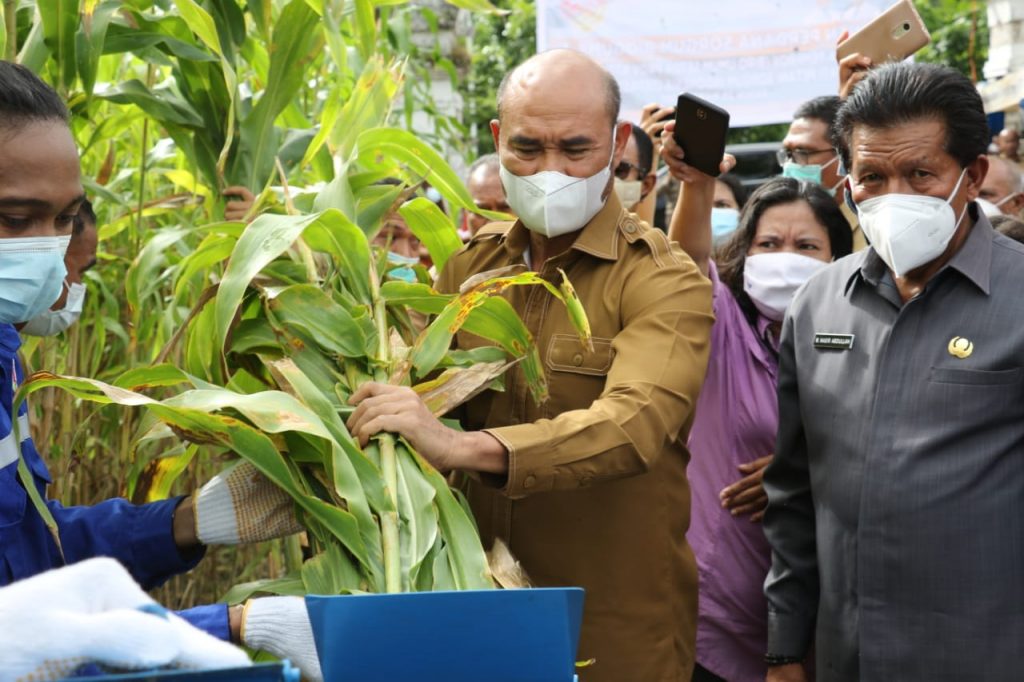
point(691, 220)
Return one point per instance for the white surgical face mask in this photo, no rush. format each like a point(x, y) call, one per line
point(53, 322)
point(909, 230)
point(629, 191)
point(771, 279)
point(551, 203)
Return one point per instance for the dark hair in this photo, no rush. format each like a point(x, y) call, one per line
point(24, 98)
point(735, 185)
point(1009, 226)
point(86, 216)
point(614, 95)
point(732, 257)
point(894, 94)
point(644, 149)
point(822, 108)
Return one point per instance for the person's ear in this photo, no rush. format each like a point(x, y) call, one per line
point(647, 185)
point(976, 172)
point(622, 132)
point(496, 134)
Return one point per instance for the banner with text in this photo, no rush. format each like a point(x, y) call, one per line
point(758, 59)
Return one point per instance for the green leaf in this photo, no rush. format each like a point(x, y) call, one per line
point(339, 237)
point(477, 6)
point(162, 106)
point(368, 105)
point(331, 572)
point(466, 558)
point(60, 21)
point(264, 240)
point(366, 27)
point(289, 586)
point(201, 23)
point(433, 228)
point(419, 529)
point(294, 44)
point(383, 148)
point(89, 41)
point(307, 307)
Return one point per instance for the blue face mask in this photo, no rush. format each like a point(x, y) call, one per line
point(405, 264)
point(31, 276)
point(810, 172)
point(723, 222)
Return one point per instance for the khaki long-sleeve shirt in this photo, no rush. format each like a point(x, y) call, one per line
point(596, 493)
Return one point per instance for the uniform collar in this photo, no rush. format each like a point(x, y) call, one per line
point(10, 341)
point(599, 237)
point(973, 260)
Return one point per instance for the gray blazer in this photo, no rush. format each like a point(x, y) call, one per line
point(896, 496)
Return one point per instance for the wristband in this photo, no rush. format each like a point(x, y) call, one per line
point(774, 660)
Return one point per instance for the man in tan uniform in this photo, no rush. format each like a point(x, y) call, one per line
point(589, 488)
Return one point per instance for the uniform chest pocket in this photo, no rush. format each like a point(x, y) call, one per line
point(976, 377)
point(567, 354)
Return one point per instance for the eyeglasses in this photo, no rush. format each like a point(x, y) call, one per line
point(622, 170)
point(801, 157)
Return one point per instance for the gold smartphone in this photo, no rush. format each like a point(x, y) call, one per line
point(892, 36)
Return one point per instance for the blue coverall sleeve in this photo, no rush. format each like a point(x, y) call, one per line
point(211, 618)
point(138, 536)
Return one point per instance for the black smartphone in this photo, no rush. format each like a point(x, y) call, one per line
point(701, 129)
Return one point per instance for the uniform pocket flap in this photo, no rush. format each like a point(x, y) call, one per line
point(976, 377)
point(567, 354)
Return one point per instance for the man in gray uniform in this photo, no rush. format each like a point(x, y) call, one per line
point(896, 496)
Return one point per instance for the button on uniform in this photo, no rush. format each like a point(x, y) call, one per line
point(577, 359)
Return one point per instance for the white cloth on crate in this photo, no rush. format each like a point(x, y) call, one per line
point(89, 612)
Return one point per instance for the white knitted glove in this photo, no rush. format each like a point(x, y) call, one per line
point(239, 505)
point(89, 612)
point(280, 626)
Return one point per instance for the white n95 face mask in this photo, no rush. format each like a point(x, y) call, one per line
point(909, 230)
point(53, 322)
point(771, 279)
point(551, 203)
point(629, 191)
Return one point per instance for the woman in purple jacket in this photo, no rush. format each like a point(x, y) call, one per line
point(787, 231)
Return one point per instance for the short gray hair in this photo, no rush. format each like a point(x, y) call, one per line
point(1016, 176)
point(489, 161)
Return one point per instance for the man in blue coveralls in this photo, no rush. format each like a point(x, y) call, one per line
point(40, 193)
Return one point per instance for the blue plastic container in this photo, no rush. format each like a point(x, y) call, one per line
point(264, 672)
point(473, 636)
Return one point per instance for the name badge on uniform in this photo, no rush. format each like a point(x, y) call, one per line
point(830, 341)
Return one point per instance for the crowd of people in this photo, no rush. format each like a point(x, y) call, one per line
point(790, 452)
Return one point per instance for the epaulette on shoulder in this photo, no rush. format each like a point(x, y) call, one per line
point(492, 231)
point(635, 231)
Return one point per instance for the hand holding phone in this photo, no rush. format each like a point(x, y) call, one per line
point(893, 35)
point(700, 130)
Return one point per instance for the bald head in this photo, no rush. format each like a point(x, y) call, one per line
point(1008, 142)
point(561, 74)
point(1003, 185)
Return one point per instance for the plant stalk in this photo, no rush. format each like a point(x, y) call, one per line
point(388, 457)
